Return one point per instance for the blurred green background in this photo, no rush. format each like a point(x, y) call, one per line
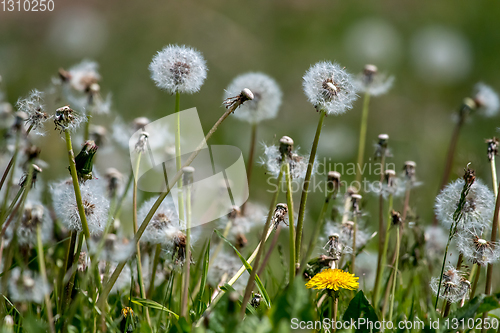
point(437, 50)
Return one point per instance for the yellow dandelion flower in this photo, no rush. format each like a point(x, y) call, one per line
point(333, 279)
point(127, 311)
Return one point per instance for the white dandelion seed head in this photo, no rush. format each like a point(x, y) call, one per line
point(435, 241)
point(178, 69)
point(454, 287)
point(115, 249)
point(477, 211)
point(66, 118)
point(272, 160)
point(122, 283)
point(477, 249)
point(241, 225)
point(24, 286)
point(34, 107)
point(34, 215)
point(223, 268)
point(83, 75)
point(486, 99)
point(372, 82)
point(266, 100)
point(329, 87)
point(164, 224)
point(94, 200)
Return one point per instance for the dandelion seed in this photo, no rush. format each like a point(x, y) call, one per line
point(266, 99)
point(477, 211)
point(178, 69)
point(95, 204)
point(34, 215)
point(329, 88)
point(486, 99)
point(24, 286)
point(492, 148)
point(34, 108)
point(372, 82)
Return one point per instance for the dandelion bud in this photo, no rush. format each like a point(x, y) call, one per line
point(187, 175)
point(141, 144)
point(114, 178)
point(280, 214)
point(355, 199)
point(140, 123)
point(492, 148)
point(333, 180)
point(390, 176)
point(286, 145)
point(98, 134)
point(469, 176)
point(84, 160)
point(409, 170)
point(395, 217)
point(382, 140)
point(369, 71)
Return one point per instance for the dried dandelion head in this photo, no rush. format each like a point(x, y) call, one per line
point(372, 82)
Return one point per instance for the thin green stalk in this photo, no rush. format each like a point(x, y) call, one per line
point(385, 248)
point(316, 230)
point(251, 154)
point(362, 136)
point(267, 226)
point(305, 188)
point(187, 261)
point(109, 284)
point(457, 216)
point(156, 260)
point(178, 154)
point(43, 273)
point(291, 221)
point(76, 186)
point(395, 278)
point(355, 227)
point(140, 278)
point(378, 275)
point(12, 161)
point(475, 272)
point(118, 207)
point(3, 214)
point(494, 228)
point(86, 129)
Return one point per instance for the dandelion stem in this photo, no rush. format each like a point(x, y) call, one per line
point(109, 284)
point(291, 221)
point(251, 154)
point(178, 154)
point(317, 228)
point(76, 186)
point(187, 261)
point(9, 211)
point(118, 208)
point(494, 175)
point(156, 260)
point(86, 129)
point(138, 247)
point(305, 188)
point(354, 253)
point(362, 135)
point(43, 273)
point(457, 216)
point(398, 245)
point(381, 235)
point(12, 161)
point(494, 228)
point(267, 228)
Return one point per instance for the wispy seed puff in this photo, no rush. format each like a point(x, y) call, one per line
point(329, 87)
point(372, 82)
point(486, 99)
point(178, 69)
point(267, 97)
